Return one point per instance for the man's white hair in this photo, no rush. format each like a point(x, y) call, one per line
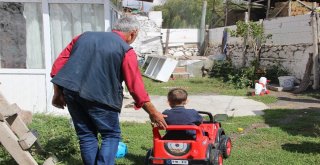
point(126, 24)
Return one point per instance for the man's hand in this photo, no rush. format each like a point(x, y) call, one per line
point(58, 99)
point(157, 118)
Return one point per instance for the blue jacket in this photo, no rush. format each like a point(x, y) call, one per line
point(94, 68)
point(179, 115)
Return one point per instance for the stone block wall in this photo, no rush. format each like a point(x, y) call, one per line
point(185, 50)
point(291, 57)
point(289, 46)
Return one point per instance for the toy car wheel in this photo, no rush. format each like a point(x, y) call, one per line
point(148, 155)
point(219, 136)
point(225, 146)
point(217, 157)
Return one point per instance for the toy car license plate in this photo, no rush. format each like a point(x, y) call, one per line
point(179, 162)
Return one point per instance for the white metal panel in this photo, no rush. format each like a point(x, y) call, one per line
point(159, 67)
point(27, 90)
point(47, 51)
point(167, 67)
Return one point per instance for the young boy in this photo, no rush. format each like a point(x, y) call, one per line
point(179, 115)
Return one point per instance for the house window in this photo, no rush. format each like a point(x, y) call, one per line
point(70, 20)
point(21, 35)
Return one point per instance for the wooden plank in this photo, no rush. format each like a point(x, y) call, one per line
point(27, 140)
point(268, 9)
point(10, 143)
point(17, 125)
point(289, 8)
point(305, 5)
point(315, 49)
point(6, 111)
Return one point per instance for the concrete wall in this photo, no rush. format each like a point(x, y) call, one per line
point(289, 46)
point(182, 42)
point(148, 41)
point(289, 30)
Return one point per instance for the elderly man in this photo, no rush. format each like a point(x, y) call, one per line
point(87, 77)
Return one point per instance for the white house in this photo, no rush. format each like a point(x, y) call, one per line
point(32, 34)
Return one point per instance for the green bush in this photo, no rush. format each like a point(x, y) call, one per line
point(240, 78)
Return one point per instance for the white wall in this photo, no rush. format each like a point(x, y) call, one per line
point(26, 88)
point(180, 36)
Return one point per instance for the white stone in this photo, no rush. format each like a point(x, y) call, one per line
point(188, 53)
point(179, 53)
point(171, 51)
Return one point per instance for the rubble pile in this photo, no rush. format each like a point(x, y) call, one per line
point(148, 41)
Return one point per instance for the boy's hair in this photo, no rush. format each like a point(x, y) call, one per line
point(177, 96)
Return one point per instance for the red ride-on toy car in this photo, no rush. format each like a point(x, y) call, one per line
point(209, 147)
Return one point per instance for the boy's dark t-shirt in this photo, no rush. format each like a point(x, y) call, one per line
point(179, 115)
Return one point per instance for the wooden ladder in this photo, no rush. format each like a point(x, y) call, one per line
point(15, 136)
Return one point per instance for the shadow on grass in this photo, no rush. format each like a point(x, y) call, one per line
point(303, 122)
point(305, 147)
point(312, 93)
point(299, 100)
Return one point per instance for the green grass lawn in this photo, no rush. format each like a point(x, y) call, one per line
point(203, 86)
point(279, 137)
point(193, 86)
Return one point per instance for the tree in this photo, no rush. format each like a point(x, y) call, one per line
point(187, 13)
point(253, 36)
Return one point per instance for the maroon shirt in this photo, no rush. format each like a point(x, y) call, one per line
point(130, 70)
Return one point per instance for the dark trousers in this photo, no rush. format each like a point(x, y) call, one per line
point(89, 119)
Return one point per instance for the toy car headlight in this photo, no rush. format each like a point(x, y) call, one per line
point(177, 149)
